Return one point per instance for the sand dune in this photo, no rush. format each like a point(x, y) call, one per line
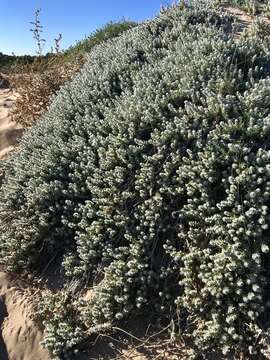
point(9, 132)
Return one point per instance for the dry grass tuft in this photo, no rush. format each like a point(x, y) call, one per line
point(35, 87)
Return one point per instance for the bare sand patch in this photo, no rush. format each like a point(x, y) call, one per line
point(19, 337)
point(9, 132)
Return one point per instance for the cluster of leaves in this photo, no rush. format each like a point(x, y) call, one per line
point(63, 330)
point(149, 177)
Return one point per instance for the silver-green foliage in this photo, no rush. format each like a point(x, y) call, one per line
point(151, 173)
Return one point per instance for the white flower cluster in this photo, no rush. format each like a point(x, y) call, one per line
point(150, 177)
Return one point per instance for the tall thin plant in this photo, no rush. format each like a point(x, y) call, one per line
point(37, 31)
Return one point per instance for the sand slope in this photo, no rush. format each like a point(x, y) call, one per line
point(9, 132)
point(19, 337)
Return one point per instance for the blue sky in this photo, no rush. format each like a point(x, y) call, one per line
point(73, 18)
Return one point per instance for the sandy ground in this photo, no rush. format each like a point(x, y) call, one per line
point(244, 20)
point(9, 132)
point(19, 336)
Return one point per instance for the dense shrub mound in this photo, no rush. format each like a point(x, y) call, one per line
point(149, 177)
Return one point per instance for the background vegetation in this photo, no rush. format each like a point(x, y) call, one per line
point(37, 78)
point(7, 61)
